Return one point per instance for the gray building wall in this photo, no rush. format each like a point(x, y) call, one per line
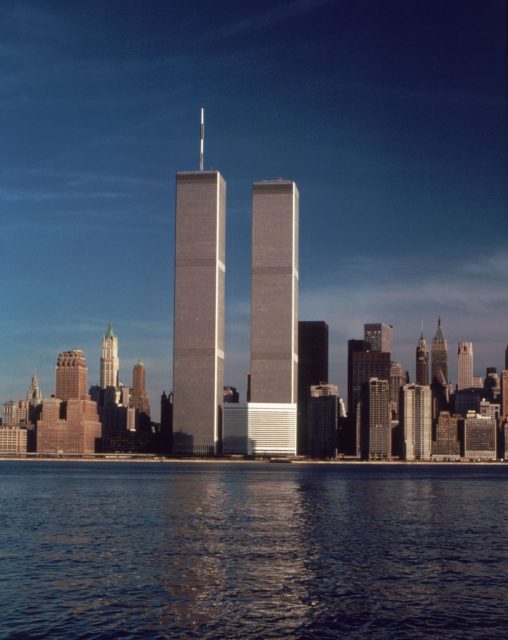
point(274, 328)
point(198, 347)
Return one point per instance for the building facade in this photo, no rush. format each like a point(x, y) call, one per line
point(378, 336)
point(422, 361)
point(323, 416)
point(110, 363)
point(465, 365)
point(71, 372)
point(439, 352)
point(274, 311)
point(312, 370)
point(198, 345)
point(374, 439)
point(480, 437)
point(416, 421)
point(447, 441)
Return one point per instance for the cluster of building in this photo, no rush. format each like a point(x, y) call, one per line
point(291, 408)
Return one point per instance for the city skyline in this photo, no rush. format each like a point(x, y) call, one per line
point(394, 134)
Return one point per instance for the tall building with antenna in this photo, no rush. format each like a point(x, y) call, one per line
point(198, 339)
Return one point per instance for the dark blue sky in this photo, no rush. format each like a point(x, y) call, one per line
point(390, 116)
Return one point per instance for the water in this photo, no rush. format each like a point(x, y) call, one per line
point(215, 550)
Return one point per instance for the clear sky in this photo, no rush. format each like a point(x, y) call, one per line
point(390, 116)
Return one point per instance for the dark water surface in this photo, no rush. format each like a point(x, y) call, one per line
point(197, 550)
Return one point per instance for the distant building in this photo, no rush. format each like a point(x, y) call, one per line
point(13, 439)
point(447, 443)
point(259, 429)
point(416, 421)
point(492, 385)
point(110, 363)
point(398, 378)
point(439, 352)
point(231, 394)
point(139, 397)
point(166, 428)
point(374, 439)
point(312, 370)
point(467, 400)
point(465, 365)
point(323, 414)
point(422, 361)
point(480, 437)
point(504, 394)
point(198, 360)
point(378, 337)
point(69, 424)
point(71, 372)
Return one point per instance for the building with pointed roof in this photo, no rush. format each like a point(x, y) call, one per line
point(422, 361)
point(110, 363)
point(439, 351)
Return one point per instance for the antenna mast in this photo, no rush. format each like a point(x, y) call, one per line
point(202, 140)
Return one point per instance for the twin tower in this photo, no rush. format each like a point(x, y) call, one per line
point(200, 267)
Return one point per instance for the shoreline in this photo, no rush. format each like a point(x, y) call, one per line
point(128, 458)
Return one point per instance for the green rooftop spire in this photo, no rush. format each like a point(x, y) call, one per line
point(109, 333)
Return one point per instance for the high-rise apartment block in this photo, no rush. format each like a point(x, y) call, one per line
point(198, 345)
point(109, 360)
point(465, 365)
point(312, 370)
point(274, 312)
point(416, 421)
point(71, 374)
point(139, 397)
point(422, 361)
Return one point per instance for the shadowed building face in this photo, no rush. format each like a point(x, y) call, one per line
point(274, 292)
point(198, 358)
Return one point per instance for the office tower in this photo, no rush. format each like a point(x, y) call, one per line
point(506, 358)
point(139, 398)
point(109, 360)
point(504, 394)
point(398, 378)
point(374, 441)
point(198, 345)
point(439, 351)
point(465, 365)
point(416, 421)
point(467, 400)
point(312, 370)
point(274, 312)
point(447, 436)
point(72, 426)
point(323, 414)
point(166, 429)
point(479, 437)
point(492, 384)
point(378, 336)
point(363, 365)
point(266, 424)
point(71, 374)
point(34, 395)
point(422, 361)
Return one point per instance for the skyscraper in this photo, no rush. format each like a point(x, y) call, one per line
point(139, 398)
point(465, 365)
point(416, 421)
point(34, 395)
point(504, 394)
point(373, 421)
point(422, 361)
point(378, 336)
point(323, 410)
point(439, 351)
point(198, 345)
point(274, 341)
point(266, 424)
point(312, 370)
point(109, 360)
point(71, 373)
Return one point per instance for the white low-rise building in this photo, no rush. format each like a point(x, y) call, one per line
point(259, 429)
